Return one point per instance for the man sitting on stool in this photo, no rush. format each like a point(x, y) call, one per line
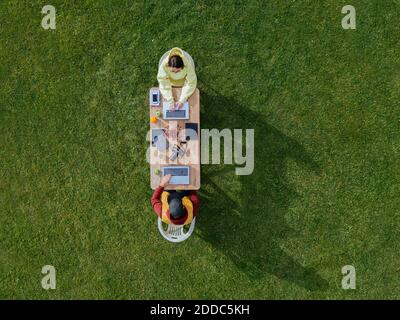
point(174, 207)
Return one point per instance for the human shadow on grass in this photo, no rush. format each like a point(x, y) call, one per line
point(249, 228)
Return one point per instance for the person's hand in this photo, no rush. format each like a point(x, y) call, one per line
point(178, 105)
point(165, 180)
point(173, 105)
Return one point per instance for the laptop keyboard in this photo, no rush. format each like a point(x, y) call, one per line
point(176, 113)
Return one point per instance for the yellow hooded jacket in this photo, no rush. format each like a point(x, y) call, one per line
point(165, 209)
point(186, 78)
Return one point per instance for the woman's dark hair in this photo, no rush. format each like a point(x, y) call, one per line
point(175, 62)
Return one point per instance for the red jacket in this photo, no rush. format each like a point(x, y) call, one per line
point(157, 206)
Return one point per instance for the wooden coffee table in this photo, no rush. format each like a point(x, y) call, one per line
point(175, 133)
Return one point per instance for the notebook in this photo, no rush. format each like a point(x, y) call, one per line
point(158, 139)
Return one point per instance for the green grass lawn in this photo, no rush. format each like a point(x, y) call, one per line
point(74, 181)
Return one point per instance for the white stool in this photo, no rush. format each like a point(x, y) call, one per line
point(175, 233)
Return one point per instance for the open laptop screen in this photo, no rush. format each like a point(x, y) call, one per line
point(180, 175)
point(181, 171)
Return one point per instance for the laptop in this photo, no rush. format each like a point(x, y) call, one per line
point(177, 114)
point(180, 174)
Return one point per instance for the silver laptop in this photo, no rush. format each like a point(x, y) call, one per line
point(180, 174)
point(177, 114)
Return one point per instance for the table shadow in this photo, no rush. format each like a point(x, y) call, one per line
point(249, 228)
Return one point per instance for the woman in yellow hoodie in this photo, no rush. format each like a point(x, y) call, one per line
point(177, 70)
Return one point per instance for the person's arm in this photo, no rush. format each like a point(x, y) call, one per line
point(195, 201)
point(189, 86)
point(156, 197)
point(156, 200)
point(164, 84)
